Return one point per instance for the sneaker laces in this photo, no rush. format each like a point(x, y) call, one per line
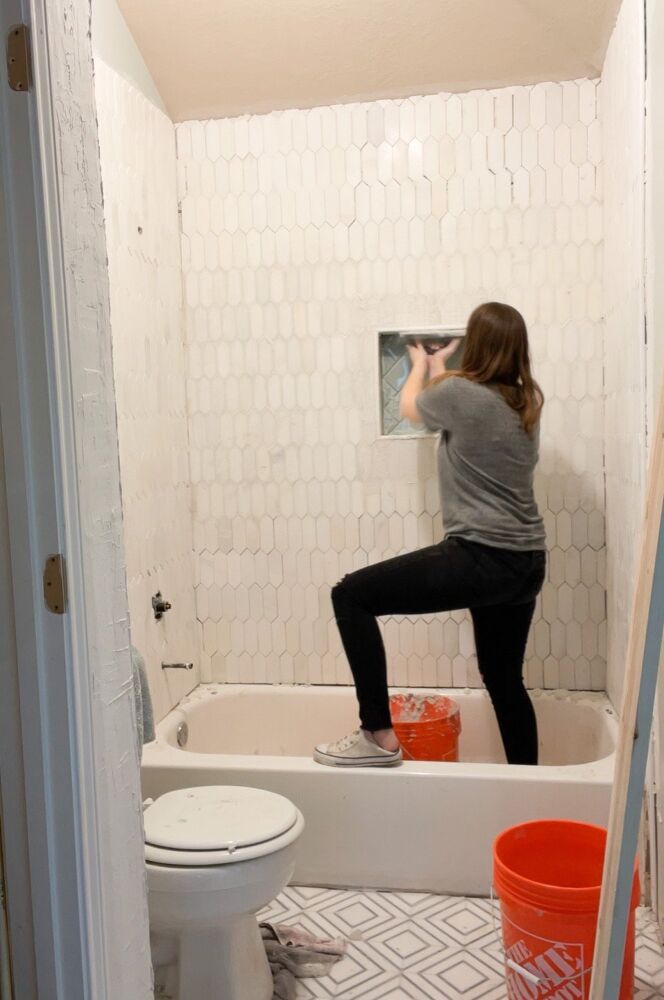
point(346, 742)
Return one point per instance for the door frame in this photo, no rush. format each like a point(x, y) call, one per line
point(69, 767)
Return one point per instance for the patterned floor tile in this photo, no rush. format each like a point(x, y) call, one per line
point(459, 974)
point(417, 946)
point(455, 921)
point(359, 916)
point(398, 989)
point(404, 946)
point(440, 948)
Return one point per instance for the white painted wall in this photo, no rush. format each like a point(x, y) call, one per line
point(113, 42)
point(303, 234)
point(655, 206)
point(623, 102)
point(112, 783)
point(137, 146)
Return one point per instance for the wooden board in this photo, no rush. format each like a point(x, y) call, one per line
point(644, 653)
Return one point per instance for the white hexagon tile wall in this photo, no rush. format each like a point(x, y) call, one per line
point(303, 234)
point(137, 149)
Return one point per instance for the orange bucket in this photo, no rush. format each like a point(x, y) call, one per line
point(548, 876)
point(427, 726)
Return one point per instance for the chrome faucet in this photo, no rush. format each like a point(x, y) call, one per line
point(177, 666)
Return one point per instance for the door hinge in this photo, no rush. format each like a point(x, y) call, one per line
point(18, 57)
point(55, 584)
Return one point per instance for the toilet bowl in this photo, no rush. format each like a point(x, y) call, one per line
point(214, 856)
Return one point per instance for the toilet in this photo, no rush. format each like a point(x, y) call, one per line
point(216, 855)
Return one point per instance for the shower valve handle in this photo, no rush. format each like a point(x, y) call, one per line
point(159, 606)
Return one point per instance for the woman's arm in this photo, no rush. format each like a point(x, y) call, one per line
point(424, 366)
point(438, 361)
point(414, 383)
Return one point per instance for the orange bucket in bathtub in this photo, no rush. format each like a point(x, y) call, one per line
point(427, 726)
point(548, 875)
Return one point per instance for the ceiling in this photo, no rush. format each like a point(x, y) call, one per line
point(218, 58)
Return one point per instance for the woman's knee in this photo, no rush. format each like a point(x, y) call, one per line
point(344, 594)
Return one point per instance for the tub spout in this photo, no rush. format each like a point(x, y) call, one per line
point(177, 666)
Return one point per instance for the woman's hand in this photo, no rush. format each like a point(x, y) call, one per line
point(437, 360)
point(418, 356)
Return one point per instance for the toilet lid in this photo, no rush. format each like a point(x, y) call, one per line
point(217, 818)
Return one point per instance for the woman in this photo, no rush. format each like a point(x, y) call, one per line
point(492, 559)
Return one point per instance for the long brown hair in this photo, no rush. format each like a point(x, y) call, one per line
point(496, 352)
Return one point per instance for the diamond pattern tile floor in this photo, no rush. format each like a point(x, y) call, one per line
point(425, 947)
point(416, 946)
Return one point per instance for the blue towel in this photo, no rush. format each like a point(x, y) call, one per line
point(143, 700)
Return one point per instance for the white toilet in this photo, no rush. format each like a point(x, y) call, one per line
point(215, 856)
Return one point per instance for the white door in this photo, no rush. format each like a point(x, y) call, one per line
point(69, 776)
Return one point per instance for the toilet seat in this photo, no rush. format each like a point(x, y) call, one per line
point(218, 824)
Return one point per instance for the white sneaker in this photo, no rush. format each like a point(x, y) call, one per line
point(356, 750)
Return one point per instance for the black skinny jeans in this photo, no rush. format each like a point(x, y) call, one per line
point(498, 585)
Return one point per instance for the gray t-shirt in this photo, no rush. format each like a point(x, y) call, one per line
point(486, 462)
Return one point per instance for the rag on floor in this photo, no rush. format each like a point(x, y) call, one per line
point(294, 954)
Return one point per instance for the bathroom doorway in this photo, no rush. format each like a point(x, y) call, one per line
point(74, 858)
point(85, 646)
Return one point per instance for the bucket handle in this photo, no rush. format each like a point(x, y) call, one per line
point(533, 979)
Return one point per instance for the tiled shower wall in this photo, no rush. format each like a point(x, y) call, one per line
point(306, 232)
point(625, 363)
point(137, 147)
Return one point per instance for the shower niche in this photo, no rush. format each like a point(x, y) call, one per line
point(394, 368)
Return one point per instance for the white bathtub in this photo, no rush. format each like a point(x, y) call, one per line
point(419, 826)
